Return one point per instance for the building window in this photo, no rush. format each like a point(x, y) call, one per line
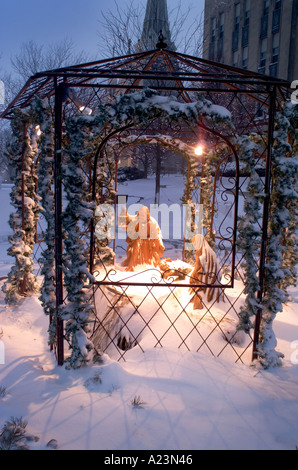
point(275, 48)
point(264, 19)
point(235, 59)
point(263, 56)
point(247, 12)
point(212, 40)
point(235, 38)
point(220, 36)
point(245, 29)
point(221, 24)
point(245, 35)
point(276, 16)
point(213, 29)
point(273, 69)
point(245, 57)
point(277, 5)
point(237, 14)
point(266, 7)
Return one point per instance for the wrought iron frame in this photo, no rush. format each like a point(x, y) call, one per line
point(183, 75)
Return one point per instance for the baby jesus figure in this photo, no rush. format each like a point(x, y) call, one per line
point(144, 239)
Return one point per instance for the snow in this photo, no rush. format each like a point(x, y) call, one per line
point(190, 401)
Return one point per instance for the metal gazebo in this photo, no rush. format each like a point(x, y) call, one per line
point(252, 100)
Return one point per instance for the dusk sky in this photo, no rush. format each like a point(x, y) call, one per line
point(51, 21)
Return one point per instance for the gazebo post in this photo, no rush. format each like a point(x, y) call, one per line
point(59, 89)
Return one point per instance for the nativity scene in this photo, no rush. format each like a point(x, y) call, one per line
point(144, 239)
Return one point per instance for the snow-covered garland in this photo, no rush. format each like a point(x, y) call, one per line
point(284, 183)
point(250, 234)
point(190, 181)
point(207, 194)
point(290, 255)
point(128, 110)
point(22, 155)
point(281, 253)
point(41, 113)
point(79, 209)
point(105, 182)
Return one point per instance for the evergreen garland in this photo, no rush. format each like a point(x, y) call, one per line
point(290, 254)
point(43, 116)
point(21, 156)
point(78, 309)
point(250, 234)
point(105, 200)
point(190, 181)
point(284, 166)
point(207, 195)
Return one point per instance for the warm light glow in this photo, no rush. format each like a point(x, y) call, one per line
point(38, 130)
point(199, 150)
point(85, 110)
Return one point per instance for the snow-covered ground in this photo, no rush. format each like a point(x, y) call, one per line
point(187, 400)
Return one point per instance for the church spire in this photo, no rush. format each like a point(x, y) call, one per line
point(156, 22)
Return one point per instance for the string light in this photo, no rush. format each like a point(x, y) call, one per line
point(86, 110)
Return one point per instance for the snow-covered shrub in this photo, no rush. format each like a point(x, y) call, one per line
point(13, 435)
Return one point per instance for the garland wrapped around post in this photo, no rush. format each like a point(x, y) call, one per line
point(284, 175)
point(290, 254)
point(21, 155)
point(206, 197)
point(281, 251)
point(250, 233)
point(105, 174)
point(43, 116)
point(187, 200)
point(77, 278)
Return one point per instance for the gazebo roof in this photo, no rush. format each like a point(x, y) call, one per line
point(161, 68)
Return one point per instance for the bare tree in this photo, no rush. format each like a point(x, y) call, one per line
point(187, 30)
point(121, 30)
point(34, 57)
point(11, 87)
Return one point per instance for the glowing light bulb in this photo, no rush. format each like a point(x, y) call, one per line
point(199, 150)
